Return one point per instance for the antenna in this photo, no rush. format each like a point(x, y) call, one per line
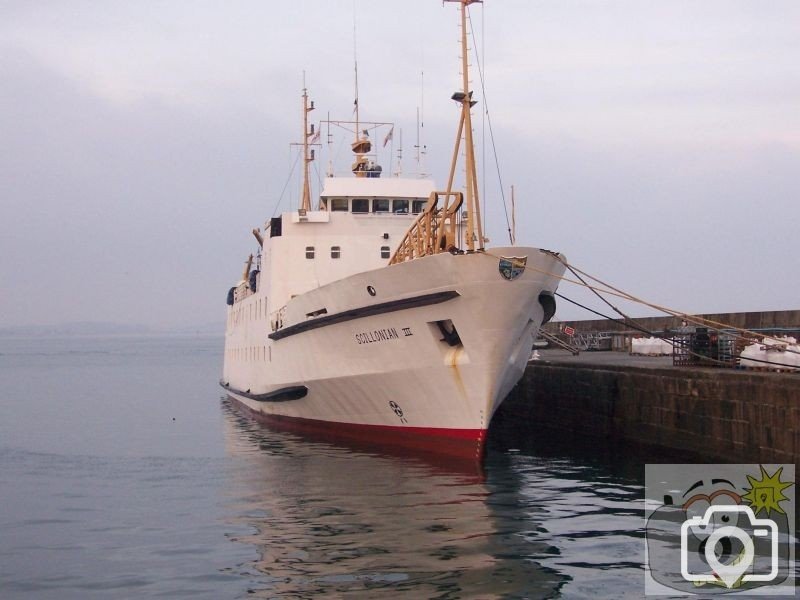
point(361, 144)
point(419, 146)
point(355, 67)
point(399, 170)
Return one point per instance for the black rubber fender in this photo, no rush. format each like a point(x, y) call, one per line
point(548, 302)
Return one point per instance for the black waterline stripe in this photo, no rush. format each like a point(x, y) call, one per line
point(364, 311)
point(294, 392)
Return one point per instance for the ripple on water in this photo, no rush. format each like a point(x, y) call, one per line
point(329, 520)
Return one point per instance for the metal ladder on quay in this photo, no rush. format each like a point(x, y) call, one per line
point(560, 343)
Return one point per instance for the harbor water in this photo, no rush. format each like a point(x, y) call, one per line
point(125, 473)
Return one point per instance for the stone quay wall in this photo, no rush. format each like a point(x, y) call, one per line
point(721, 415)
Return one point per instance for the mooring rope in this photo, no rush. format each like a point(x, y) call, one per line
point(750, 336)
point(633, 325)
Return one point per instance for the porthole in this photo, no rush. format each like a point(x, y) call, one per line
point(371, 290)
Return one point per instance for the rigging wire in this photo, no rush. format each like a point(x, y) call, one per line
point(285, 185)
point(491, 136)
point(483, 120)
point(319, 180)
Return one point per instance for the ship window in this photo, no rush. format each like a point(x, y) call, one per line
point(336, 251)
point(309, 252)
point(400, 207)
point(418, 206)
point(385, 251)
point(339, 204)
point(360, 205)
point(380, 205)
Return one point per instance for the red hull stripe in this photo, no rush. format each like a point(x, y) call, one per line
point(460, 443)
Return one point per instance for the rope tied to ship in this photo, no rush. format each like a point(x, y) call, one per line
point(744, 334)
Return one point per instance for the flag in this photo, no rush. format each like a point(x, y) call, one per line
point(355, 105)
point(388, 137)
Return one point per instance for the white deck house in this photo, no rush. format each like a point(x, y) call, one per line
point(360, 223)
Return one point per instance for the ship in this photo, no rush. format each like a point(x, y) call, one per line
point(378, 313)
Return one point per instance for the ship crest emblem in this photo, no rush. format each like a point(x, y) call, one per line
point(511, 267)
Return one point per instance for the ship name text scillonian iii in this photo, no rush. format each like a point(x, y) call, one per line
point(377, 312)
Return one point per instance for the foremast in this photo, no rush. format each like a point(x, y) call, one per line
point(435, 230)
point(474, 224)
point(308, 156)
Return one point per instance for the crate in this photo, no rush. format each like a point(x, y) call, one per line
point(704, 348)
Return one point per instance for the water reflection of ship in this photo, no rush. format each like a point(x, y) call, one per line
point(334, 521)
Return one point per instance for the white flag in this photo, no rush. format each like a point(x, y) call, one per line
point(388, 137)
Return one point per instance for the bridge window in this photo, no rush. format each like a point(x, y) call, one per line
point(336, 251)
point(400, 207)
point(339, 204)
point(418, 206)
point(380, 205)
point(309, 252)
point(360, 205)
point(385, 251)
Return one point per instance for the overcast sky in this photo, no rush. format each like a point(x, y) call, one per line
point(655, 143)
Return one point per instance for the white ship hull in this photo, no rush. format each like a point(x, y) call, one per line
point(379, 315)
point(381, 367)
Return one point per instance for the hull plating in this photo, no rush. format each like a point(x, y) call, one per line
point(427, 376)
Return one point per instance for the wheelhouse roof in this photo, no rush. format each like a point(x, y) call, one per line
point(390, 187)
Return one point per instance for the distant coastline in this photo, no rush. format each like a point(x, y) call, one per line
point(89, 328)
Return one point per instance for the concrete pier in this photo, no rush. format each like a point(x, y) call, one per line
point(720, 414)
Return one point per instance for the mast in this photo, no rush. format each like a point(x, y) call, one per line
point(464, 97)
point(307, 156)
point(436, 229)
point(361, 144)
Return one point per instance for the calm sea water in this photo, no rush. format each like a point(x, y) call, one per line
point(125, 474)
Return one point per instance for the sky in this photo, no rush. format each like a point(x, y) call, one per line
point(655, 143)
